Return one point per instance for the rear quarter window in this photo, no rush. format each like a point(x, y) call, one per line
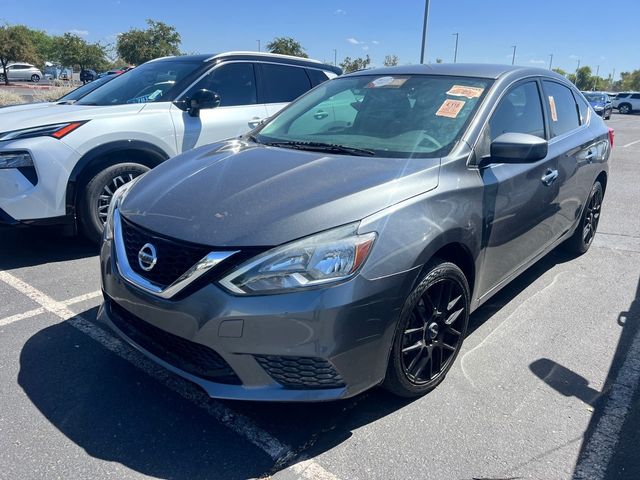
point(562, 108)
point(283, 83)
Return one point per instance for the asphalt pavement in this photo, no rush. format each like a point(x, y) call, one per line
point(545, 386)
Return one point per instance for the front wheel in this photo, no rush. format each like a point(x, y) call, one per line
point(35, 78)
point(94, 201)
point(432, 326)
point(625, 108)
point(582, 238)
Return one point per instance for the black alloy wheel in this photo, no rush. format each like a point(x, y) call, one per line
point(586, 230)
point(430, 332)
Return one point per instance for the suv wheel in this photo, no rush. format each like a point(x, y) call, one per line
point(96, 196)
point(35, 78)
point(582, 238)
point(432, 326)
point(624, 108)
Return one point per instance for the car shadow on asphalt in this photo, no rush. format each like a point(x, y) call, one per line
point(29, 246)
point(120, 414)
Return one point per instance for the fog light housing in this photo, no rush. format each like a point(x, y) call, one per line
point(15, 160)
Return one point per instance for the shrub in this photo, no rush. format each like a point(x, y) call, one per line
point(7, 97)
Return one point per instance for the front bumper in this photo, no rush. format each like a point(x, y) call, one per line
point(340, 335)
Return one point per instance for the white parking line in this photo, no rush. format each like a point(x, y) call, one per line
point(243, 426)
point(629, 144)
point(601, 446)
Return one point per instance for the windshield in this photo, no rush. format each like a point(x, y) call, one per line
point(150, 82)
point(595, 97)
point(85, 89)
point(383, 115)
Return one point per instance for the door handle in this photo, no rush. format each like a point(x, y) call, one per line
point(320, 114)
point(255, 121)
point(549, 176)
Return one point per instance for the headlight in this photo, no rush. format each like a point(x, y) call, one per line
point(319, 259)
point(15, 160)
point(116, 200)
point(598, 108)
point(57, 130)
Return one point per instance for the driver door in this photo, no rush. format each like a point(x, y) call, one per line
point(238, 112)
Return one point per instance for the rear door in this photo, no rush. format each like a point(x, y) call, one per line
point(281, 84)
point(519, 199)
point(238, 112)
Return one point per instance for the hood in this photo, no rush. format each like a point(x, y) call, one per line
point(596, 103)
point(21, 116)
point(253, 195)
point(25, 106)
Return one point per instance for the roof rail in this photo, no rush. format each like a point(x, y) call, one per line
point(262, 54)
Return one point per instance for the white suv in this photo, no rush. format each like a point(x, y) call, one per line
point(627, 102)
point(62, 163)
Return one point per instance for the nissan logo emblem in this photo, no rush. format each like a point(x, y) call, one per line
point(147, 257)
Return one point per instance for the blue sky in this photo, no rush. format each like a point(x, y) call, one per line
point(572, 30)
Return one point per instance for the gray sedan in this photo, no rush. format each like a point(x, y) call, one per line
point(344, 243)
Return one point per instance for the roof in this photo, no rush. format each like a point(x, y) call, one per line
point(482, 70)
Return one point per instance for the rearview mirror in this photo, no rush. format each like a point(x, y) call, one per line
point(201, 99)
point(517, 148)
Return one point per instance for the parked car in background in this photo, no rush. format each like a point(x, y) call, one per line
point(344, 243)
point(22, 71)
point(71, 158)
point(627, 102)
point(600, 102)
point(116, 71)
point(88, 75)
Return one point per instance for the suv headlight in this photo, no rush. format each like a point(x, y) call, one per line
point(57, 130)
point(319, 259)
point(116, 200)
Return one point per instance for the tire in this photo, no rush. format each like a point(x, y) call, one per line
point(95, 197)
point(35, 78)
point(624, 108)
point(430, 332)
point(586, 230)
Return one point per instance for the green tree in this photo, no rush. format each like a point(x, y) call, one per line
point(44, 45)
point(438, 60)
point(560, 71)
point(73, 51)
point(583, 78)
point(349, 65)
point(158, 40)
point(390, 60)
point(630, 80)
point(15, 45)
point(286, 46)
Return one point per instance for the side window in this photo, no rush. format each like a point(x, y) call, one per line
point(520, 111)
point(316, 76)
point(563, 111)
point(284, 83)
point(636, 96)
point(583, 107)
point(622, 95)
point(234, 82)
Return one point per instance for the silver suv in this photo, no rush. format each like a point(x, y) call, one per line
point(627, 102)
point(22, 71)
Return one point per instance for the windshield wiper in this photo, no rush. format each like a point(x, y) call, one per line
point(324, 147)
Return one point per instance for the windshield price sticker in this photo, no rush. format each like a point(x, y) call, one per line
point(450, 108)
point(552, 107)
point(387, 82)
point(462, 91)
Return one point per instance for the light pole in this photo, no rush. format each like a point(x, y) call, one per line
point(424, 31)
point(258, 44)
point(595, 80)
point(455, 52)
point(612, 78)
point(577, 68)
point(513, 59)
point(550, 60)
point(335, 57)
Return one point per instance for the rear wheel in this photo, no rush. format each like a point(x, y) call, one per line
point(430, 332)
point(624, 108)
point(582, 238)
point(35, 78)
point(94, 201)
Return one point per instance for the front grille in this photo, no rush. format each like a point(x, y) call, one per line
point(301, 372)
point(174, 257)
point(184, 354)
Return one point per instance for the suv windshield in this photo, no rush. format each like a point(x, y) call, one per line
point(595, 97)
point(85, 89)
point(150, 82)
point(379, 115)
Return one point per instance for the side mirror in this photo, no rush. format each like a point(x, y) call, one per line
point(199, 100)
point(517, 148)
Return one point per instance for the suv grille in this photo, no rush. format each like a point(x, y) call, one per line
point(184, 354)
point(174, 257)
point(301, 372)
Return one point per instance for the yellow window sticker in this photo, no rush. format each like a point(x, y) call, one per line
point(463, 91)
point(552, 107)
point(450, 108)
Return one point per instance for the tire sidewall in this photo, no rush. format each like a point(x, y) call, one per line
point(396, 379)
point(582, 247)
point(35, 78)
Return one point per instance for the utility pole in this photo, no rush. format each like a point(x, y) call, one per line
point(612, 78)
point(550, 60)
point(577, 68)
point(258, 44)
point(513, 59)
point(424, 31)
point(455, 52)
point(335, 57)
point(595, 80)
